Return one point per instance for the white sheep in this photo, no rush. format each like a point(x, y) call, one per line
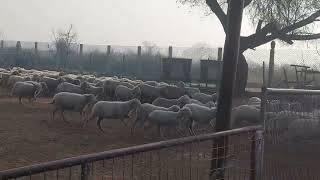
point(173, 92)
point(163, 102)
point(124, 93)
point(149, 93)
point(109, 87)
point(127, 84)
point(244, 115)
point(92, 89)
point(202, 97)
point(254, 101)
point(66, 101)
point(180, 119)
point(191, 90)
point(113, 110)
point(13, 79)
point(301, 131)
point(201, 115)
point(52, 83)
point(209, 104)
point(151, 83)
point(72, 88)
point(145, 109)
point(28, 90)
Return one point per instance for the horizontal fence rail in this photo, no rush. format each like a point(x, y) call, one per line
point(183, 158)
point(292, 133)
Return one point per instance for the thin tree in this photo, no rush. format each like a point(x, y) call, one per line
point(64, 41)
point(285, 20)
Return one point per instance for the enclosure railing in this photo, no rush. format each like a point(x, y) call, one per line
point(183, 158)
point(292, 133)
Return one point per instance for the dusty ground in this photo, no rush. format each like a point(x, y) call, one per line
point(28, 135)
point(25, 138)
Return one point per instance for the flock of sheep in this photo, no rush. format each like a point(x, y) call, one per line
point(145, 103)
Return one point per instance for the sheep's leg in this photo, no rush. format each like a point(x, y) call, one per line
point(99, 123)
point(212, 125)
point(86, 120)
point(179, 132)
point(20, 98)
point(133, 126)
point(125, 124)
point(81, 115)
point(161, 132)
point(53, 113)
point(63, 118)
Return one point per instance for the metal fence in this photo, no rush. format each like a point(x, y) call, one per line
point(292, 133)
point(192, 157)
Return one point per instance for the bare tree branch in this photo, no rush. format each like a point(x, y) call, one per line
point(217, 10)
point(303, 37)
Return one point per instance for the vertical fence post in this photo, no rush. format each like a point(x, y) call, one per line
point(139, 50)
point(259, 155)
point(220, 54)
point(263, 74)
point(123, 66)
point(230, 61)
point(84, 171)
point(81, 49)
point(2, 44)
point(263, 106)
point(253, 158)
point(36, 48)
point(18, 47)
point(271, 64)
point(108, 50)
point(256, 156)
point(170, 51)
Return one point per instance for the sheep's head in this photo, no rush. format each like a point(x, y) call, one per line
point(184, 115)
point(215, 97)
point(27, 78)
point(134, 104)
point(136, 92)
point(90, 99)
point(41, 90)
point(174, 108)
point(84, 85)
point(183, 100)
point(180, 84)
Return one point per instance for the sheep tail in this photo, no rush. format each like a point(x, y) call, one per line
point(52, 102)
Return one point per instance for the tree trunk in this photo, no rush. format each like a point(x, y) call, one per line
point(241, 76)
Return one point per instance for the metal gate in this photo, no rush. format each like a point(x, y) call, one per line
point(184, 158)
point(292, 133)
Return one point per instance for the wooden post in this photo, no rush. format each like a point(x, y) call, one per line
point(230, 61)
point(139, 50)
point(263, 74)
point(170, 51)
point(81, 49)
point(2, 44)
point(36, 48)
point(18, 47)
point(108, 50)
point(271, 64)
point(219, 54)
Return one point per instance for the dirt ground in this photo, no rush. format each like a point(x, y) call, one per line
point(26, 138)
point(28, 134)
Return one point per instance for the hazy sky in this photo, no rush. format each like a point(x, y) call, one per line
point(115, 22)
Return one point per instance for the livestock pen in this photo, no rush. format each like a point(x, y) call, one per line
point(183, 158)
point(292, 133)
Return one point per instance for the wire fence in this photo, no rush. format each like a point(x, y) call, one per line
point(292, 133)
point(186, 158)
point(126, 61)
